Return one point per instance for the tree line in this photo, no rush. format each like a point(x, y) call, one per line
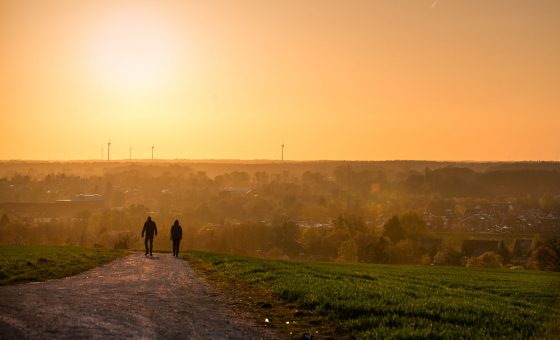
point(355, 212)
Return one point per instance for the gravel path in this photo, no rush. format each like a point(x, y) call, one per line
point(132, 297)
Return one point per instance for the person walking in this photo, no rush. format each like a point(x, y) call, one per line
point(176, 236)
point(150, 230)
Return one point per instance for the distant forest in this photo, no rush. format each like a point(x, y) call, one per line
point(331, 210)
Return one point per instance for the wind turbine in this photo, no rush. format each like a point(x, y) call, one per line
point(153, 152)
point(108, 149)
point(282, 151)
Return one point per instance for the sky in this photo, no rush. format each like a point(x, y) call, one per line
point(332, 80)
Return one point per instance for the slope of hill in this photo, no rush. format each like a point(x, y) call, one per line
point(381, 301)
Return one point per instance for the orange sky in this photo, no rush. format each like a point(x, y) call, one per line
point(369, 80)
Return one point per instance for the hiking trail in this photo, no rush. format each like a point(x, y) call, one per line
point(132, 297)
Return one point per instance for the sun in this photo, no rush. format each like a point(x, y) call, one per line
point(134, 50)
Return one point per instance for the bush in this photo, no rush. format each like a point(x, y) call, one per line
point(404, 252)
point(276, 253)
point(123, 241)
point(487, 260)
point(426, 260)
point(544, 258)
point(447, 257)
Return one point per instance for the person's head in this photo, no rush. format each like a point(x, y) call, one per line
point(176, 222)
point(149, 218)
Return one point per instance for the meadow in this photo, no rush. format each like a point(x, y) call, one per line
point(20, 264)
point(397, 301)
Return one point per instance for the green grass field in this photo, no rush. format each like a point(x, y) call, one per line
point(19, 264)
point(380, 301)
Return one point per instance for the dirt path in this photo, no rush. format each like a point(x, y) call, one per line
point(132, 297)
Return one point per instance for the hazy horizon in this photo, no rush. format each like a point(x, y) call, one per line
point(262, 160)
point(367, 80)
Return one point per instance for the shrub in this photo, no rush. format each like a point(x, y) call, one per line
point(447, 257)
point(426, 259)
point(405, 251)
point(123, 241)
point(276, 253)
point(544, 258)
point(487, 260)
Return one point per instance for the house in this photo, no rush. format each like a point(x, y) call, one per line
point(238, 191)
point(42, 220)
point(80, 202)
point(84, 198)
point(523, 247)
point(473, 248)
point(431, 244)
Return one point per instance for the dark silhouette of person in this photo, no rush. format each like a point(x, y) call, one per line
point(150, 230)
point(176, 236)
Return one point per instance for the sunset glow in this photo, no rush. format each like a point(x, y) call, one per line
point(134, 50)
point(365, 80)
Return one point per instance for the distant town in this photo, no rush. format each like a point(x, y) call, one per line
point(302, 209)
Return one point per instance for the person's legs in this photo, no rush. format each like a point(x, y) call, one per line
point(146, 245)
point(151, 245)
point(174, 247)
point(178, 243)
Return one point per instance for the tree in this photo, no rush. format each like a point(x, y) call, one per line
point(379, 250)
point(261, 177)
point(4, 221)
point(405, 251)
point(413, 225)
point(350, 223)
point(316, 243)
point(285, 234)
point(348, 251)
point(393, 230)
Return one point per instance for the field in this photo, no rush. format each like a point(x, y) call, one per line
point(380, 301)
point(20, 264)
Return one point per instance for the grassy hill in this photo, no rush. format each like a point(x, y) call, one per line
point(380, 301)
point(20, 264)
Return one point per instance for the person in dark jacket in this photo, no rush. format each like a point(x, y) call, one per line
point(150, 230)
point(176, 236)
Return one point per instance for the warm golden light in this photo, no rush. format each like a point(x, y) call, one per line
point(457, 80)
point(133, 50)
